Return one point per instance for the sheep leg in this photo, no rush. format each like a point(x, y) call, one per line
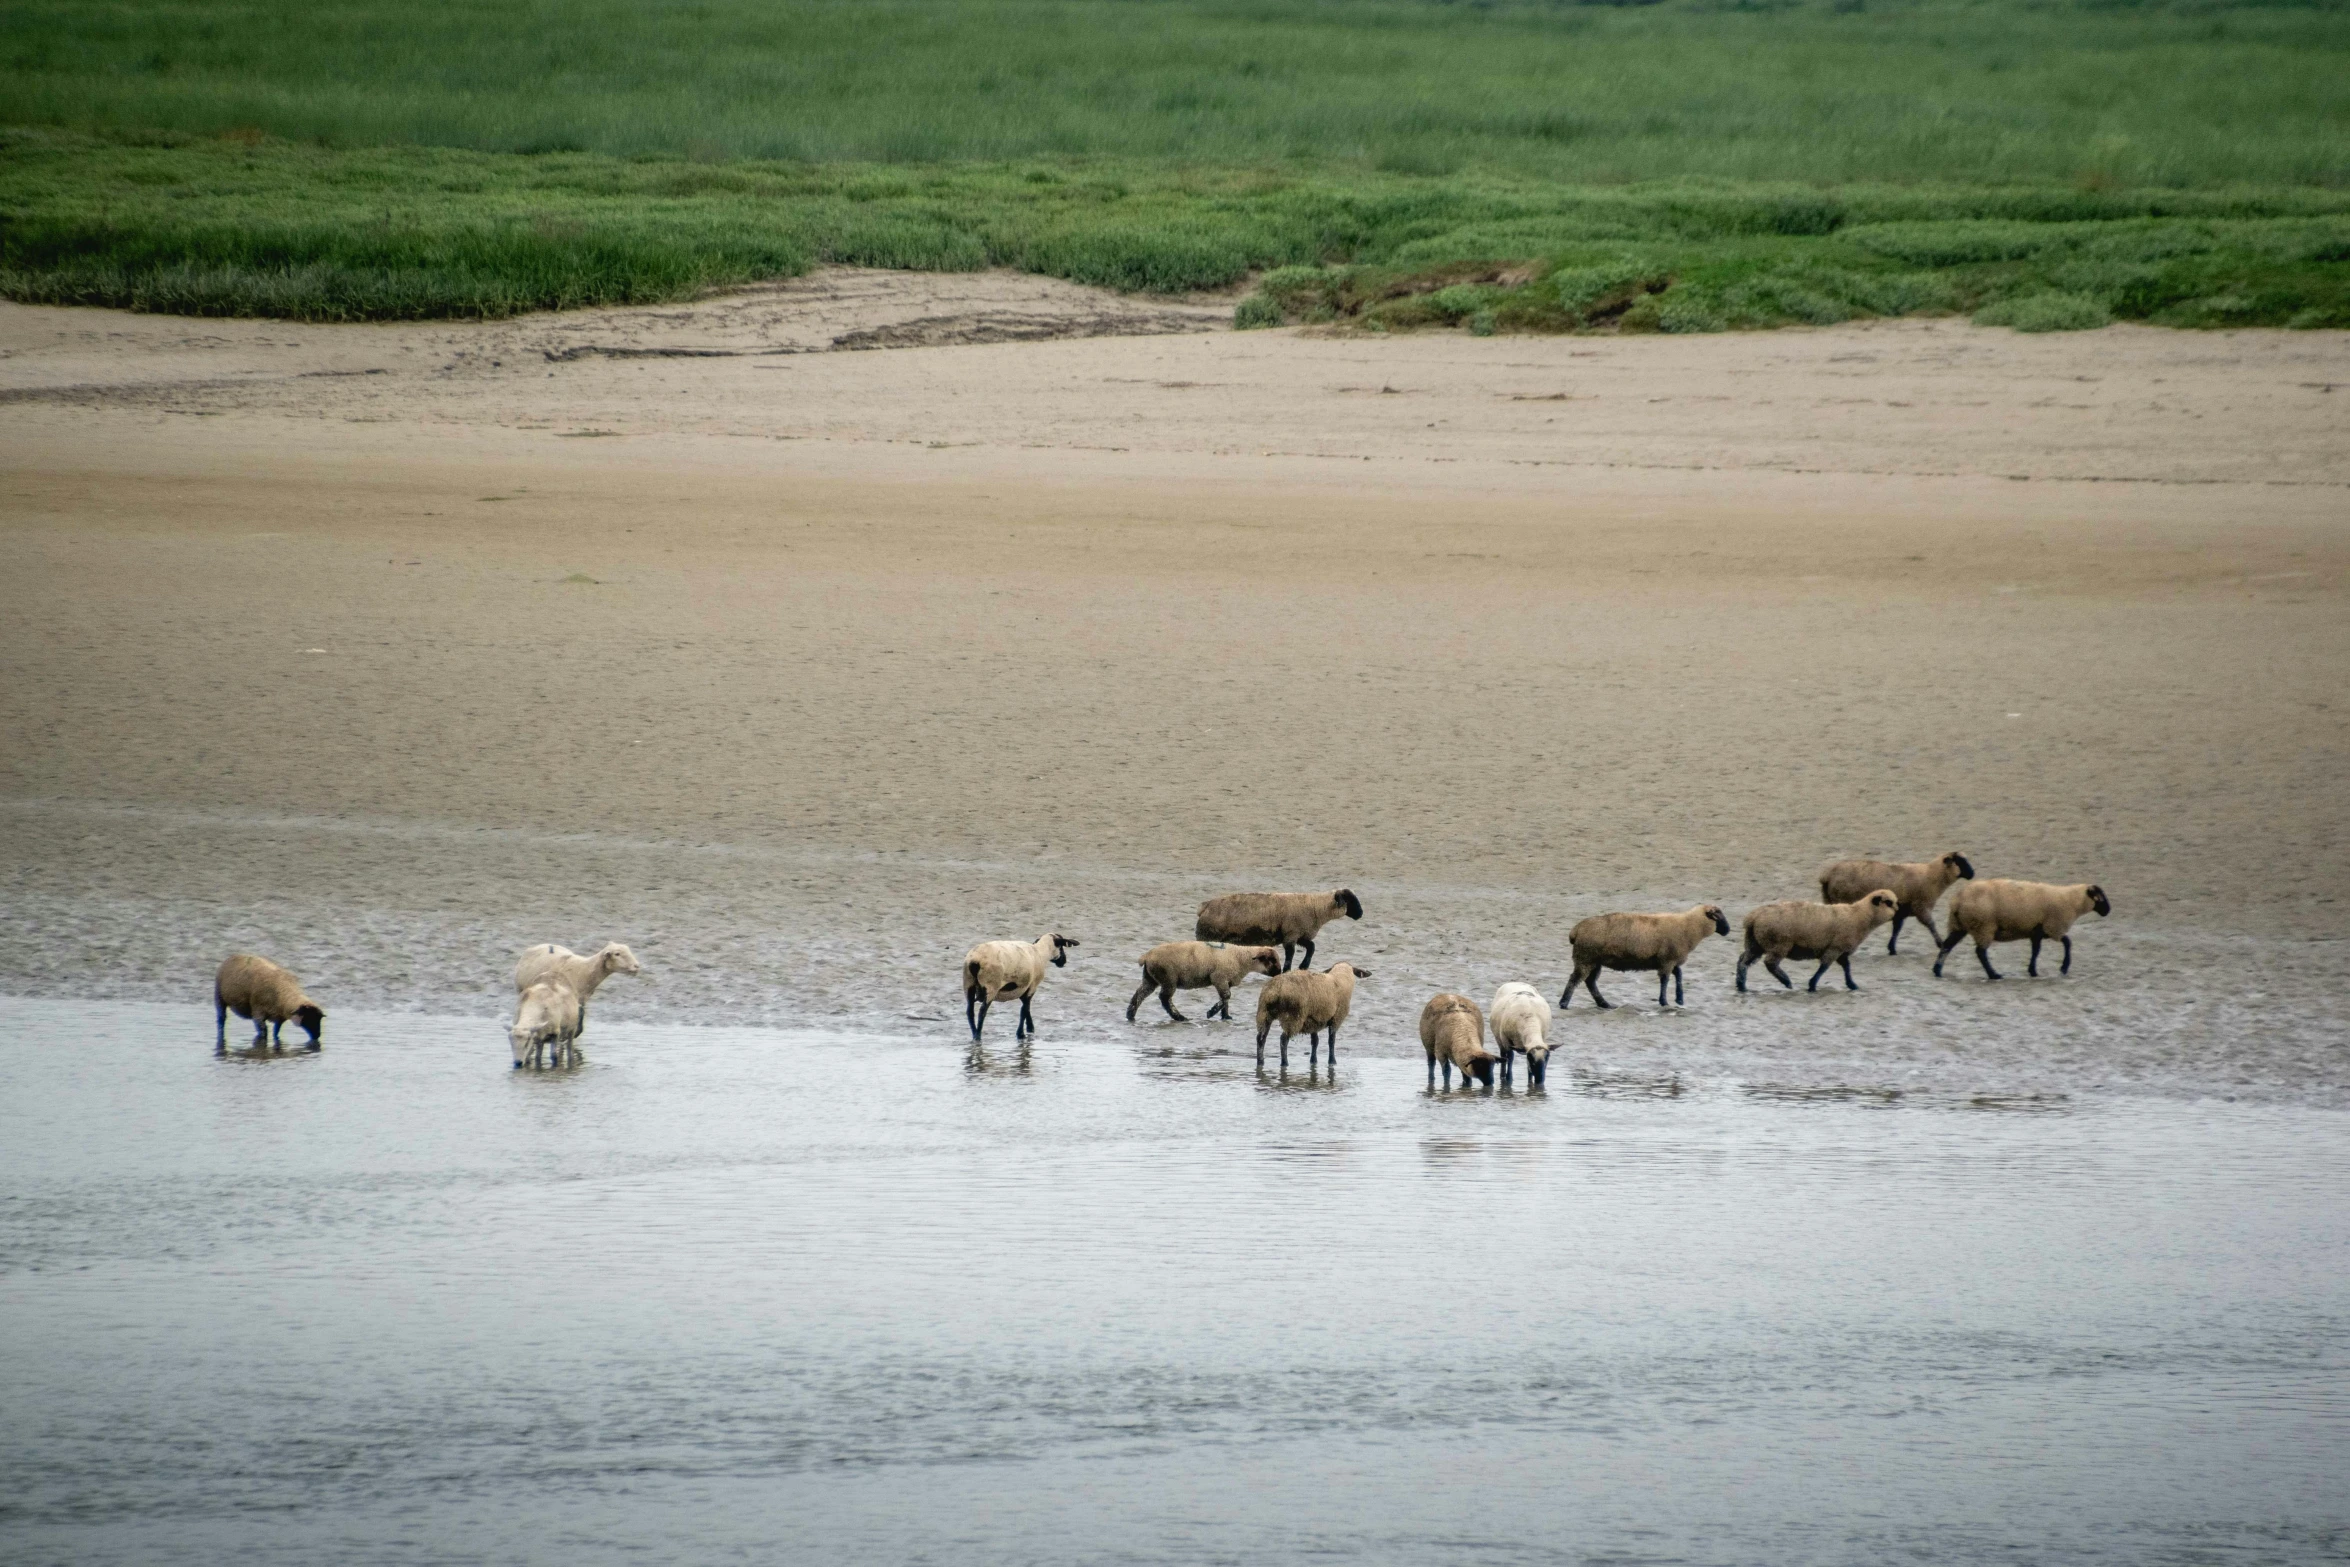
point(1933, 932)
point(1431, 1071)
point(1942, 947)
point(1334, 1044)
point(1505, 1065)
point(979, 1018)
point(1845, 963)
point(2032, 969)
point(1743, 962)
point(1288, 952)
point(219, 1025)
point(1306, 953)
point(1893, 942)
point(1448, 1074)
point(1144, 990)
point(1167, 1002)
point(1664, 981)
point(1264, 1027)
point(2067, 968)
point(1027, 1020)
point(1285, 1050)
point(1983, 951)
point(1816, 973)
point(1679, 994)
point(1591, 983)
point(1778, 973)
point(1223, 1003)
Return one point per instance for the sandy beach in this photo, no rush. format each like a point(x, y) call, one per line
point(806, 659)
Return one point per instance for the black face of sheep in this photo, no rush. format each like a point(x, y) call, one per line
point(2097, 902)
point(1961, 864)
point(313, 1021)
point(1721, 924)
point(1269, 961)
point(1061, 946)
point(1354, 905)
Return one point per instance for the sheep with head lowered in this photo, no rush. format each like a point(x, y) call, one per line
point(1916, 885)
point(997, 971)
point(1304, 1002)
point(1521, 1027)
point(547, 1022)
point(258, 989)
point(1200, 965)
point(1830, 932)
point(1288, 920)
point(1452, 1031)
point(1997, 910)
point(580, 974)
point(1633, 942)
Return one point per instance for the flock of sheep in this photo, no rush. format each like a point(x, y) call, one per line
point(1273, 933)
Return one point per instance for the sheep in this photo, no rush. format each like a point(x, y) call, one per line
point(997, 971)
point(1917, 886)
point(550, 1014)
point(1287, 920)
point(581, 974)
point(258, 989)
point(1521, 1026)
point(2000, 910)
point(1199, 965)
point(1304, 1002)
point(1826, 931)
point(1452, 1031)
point(1661, 942)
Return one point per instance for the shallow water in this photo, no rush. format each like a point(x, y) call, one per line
point(745, 1293)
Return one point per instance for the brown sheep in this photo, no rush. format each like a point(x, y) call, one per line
point(256, 988)
point(1917, 885)
point(1661, 942)
point(1829, 932)
point(1304, 1002)
point(1199, 965)
point(1452, 1031)
point(1287, 920)
point(1993, 911)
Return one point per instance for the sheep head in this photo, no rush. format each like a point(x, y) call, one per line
point(312, 1017)
point(617, 959)
point(1961, 864)
point(2097, 902)
point(1268, 960)
point(1348, 901)
point(1061, 946)
point(1882, 906)
point(1713, 911)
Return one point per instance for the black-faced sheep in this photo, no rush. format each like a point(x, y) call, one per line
point(1916, 885)
point(997, 971)
point(1521, 1027)
point(1304, 1002)
point(1829, 932)
point(1288, 920)
point(258, 989)
point(1659, 942)
point(1992, 911)
point(1200, 965)
point(1452, 1031)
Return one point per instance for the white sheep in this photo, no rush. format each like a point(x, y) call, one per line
point(997, 971)
point(1829, 932)
point(1452, 1031)
point(550, 1015)
point(1992, 911)
point(581, 974)
point(1918, 885)
point(1200, 965)
point(271, 997)
point(1521, 1026)
point(1304, 1002)
point(1661, 942)
point(1288, 920)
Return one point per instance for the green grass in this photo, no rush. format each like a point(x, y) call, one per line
point(1514, 165)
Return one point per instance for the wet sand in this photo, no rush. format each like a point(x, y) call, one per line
point(391, 649)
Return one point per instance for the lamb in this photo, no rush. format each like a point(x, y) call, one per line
point(1661, 942)
point(1199, 965)
point(1521, 1026)
point(2000, 910)
point(1827, 931)
point(1917, 886)
point(271, 997)
point(997, 971)
point(550, 1014)
point(581, 974)
point(1453, 1031)
point(1287, 920)
point(1304, 1002)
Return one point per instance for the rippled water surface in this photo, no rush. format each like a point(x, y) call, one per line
point(747, 1294)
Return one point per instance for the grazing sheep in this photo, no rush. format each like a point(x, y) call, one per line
point(1452, 1031)
point(1287, 920)
point(997, 971)
point(581, 974)
point(1661, 942)
point(1827, 931)
point(1993, 911)
point(1304, 1002)
point(550, 1014)
point(1199, 965)
point(258, 989)
point(1521, 1026)
point(1917, 886)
